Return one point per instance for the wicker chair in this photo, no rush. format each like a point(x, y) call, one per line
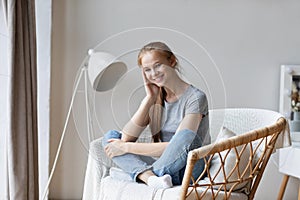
point(258, 134)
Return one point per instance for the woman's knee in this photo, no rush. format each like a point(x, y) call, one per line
point(184, 136)
point(112, 134)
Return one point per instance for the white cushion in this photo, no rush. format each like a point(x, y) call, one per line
point(229, 163)
point(112, 189)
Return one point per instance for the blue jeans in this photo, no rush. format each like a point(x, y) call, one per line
point(172, 161)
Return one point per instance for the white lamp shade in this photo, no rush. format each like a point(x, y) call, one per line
point(104, 70)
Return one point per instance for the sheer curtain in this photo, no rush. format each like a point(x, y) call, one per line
point(4, 78)
point(22, 141)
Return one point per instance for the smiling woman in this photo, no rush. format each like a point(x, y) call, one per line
point(184, 127)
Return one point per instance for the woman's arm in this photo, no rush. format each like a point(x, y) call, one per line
point(141, 118)
point(138, 122)
point(147, 149)
point(117, 147)
point(191, 122)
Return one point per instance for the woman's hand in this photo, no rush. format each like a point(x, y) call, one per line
point(152, 90)
point(116, 147)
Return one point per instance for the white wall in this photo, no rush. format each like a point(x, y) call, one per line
point(248, 41)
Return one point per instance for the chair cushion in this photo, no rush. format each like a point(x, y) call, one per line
point(112, 189)
point(217, 174)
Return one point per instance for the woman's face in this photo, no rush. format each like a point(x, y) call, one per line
point(157, 67)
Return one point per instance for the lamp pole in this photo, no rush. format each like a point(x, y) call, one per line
point(83, 70)
point(95, 66)
point(87, 108)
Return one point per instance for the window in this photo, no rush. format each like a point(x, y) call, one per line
point(4, 80)
point(43, 17)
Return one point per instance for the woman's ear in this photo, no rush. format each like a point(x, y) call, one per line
point(173, 61)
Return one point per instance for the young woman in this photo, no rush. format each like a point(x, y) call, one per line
point(177, 114)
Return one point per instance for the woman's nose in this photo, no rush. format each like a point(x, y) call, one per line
point(153, 71)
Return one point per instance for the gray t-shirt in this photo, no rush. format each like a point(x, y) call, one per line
point(191, 101)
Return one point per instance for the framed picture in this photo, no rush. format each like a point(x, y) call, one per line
point(289, 101)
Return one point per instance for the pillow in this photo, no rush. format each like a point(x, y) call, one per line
point(229, 163)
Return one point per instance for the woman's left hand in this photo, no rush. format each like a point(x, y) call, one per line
point(116, 147)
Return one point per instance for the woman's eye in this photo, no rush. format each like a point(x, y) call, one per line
point(157, 65)
point(147, 70)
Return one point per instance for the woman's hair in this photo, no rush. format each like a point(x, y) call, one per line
point(158, 47)
point(155, 113)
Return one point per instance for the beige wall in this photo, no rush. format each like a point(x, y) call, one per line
point(247, 40)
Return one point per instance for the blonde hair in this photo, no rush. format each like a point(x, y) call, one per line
point(156, 111)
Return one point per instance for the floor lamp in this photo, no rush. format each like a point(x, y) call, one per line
point(102, 70)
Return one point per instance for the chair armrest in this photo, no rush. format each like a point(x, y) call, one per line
point(99, 165)
point(260, 143)
point(97, 168)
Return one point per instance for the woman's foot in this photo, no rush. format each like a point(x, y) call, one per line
point(162, 182)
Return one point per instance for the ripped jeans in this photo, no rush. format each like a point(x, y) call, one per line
point(172, 161)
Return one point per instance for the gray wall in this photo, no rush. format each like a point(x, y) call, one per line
point(247, 42)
